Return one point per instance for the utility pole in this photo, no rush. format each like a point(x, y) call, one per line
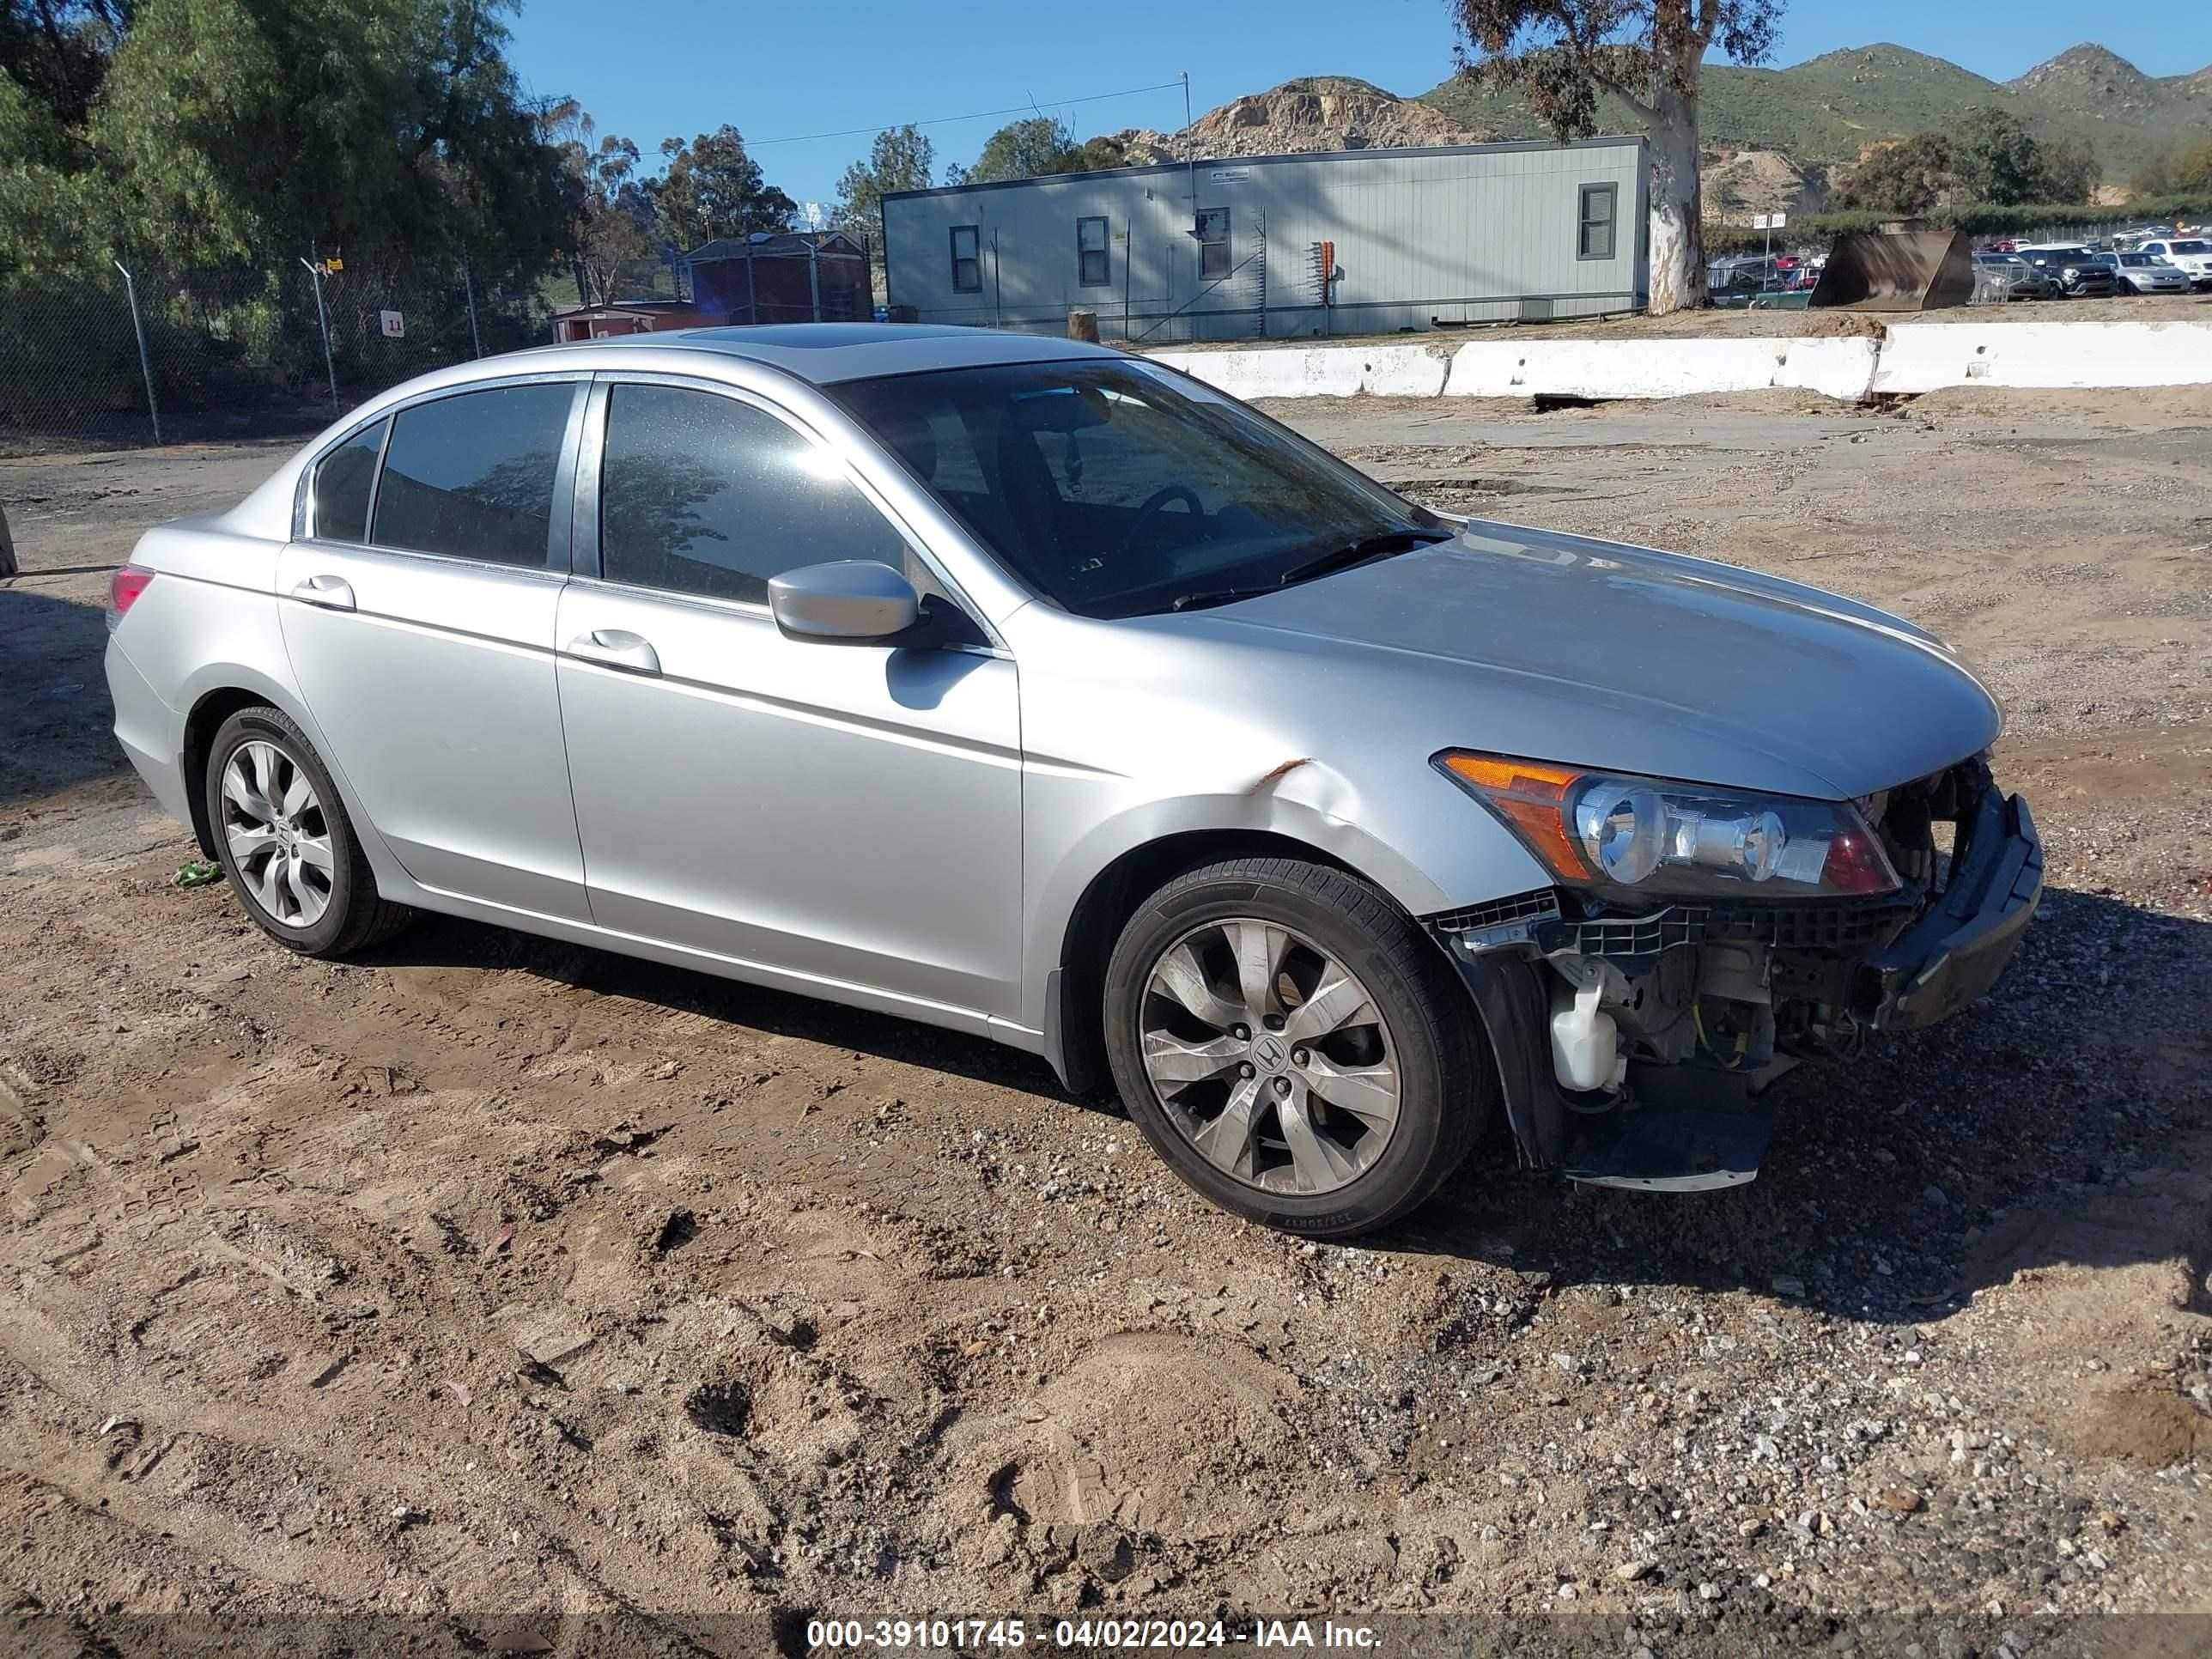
point(323, 322)
point(1189, 150)
point(469, 288)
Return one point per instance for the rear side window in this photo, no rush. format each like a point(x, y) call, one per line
point(473, 476)
point(701, 494)
point(342, 487)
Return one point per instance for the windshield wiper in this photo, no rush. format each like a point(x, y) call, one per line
point(1206, 596)
point(1378, 546)
point(1360, 552)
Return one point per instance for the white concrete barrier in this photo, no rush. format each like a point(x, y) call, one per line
point(1389, 370)
point(1926, 356)
point(1658, 368)
point(1910, 357)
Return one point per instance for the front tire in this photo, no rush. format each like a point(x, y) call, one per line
point(1294, 1046)
point(283, 839)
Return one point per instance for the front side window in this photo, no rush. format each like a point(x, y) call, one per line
point(1594, 231)
point(1118, 489)
point(967, 259)
point(473, 476)
point(1092, 269)
point(702, 494)
point(341, 486)
point(1213, 244)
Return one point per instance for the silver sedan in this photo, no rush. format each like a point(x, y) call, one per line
point(1042, 692)
point(2146, 273)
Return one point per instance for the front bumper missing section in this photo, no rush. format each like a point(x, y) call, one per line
point(1956, 951)
point(1690, 1128)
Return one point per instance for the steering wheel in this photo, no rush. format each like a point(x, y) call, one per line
point(1154, 503)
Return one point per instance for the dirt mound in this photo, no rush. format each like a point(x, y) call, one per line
point(1154, 1432)
point(2154, 1427)
point(1739, 184)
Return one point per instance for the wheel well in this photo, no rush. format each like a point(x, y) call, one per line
point(200, 726)
point(1105, 909)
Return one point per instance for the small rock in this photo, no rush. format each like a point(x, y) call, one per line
point(1629, 1571)
point(1904, 1502)
point(1709, 1591)
point(1789, 1284)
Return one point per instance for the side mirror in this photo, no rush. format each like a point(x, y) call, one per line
point(852, 600)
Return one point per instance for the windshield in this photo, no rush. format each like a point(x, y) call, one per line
point(1118, 487)
point(2192, 248)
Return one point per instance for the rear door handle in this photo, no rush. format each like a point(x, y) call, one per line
point(615, 647)
point(331, 592)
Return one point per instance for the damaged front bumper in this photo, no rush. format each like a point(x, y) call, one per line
point(1710, 1001)
point(1968, 935)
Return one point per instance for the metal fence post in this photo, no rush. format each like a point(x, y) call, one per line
point(323, 322)
point(469, 288)
point(145, 358)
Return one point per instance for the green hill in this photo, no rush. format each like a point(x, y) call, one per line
point(1826, 109)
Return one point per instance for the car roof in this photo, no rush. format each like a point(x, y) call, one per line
point(827, 352)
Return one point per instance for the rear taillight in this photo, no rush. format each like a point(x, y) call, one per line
point(124, 588)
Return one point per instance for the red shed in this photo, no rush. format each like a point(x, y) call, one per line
point(783, 276)
point(604, 322)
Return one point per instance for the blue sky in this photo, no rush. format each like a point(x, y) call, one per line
point(777, 72)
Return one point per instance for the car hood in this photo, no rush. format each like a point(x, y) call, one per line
point(1598, 654)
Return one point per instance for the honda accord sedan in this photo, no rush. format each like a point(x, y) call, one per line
point(1039, 691)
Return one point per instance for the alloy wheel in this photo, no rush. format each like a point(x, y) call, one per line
point(279, 837)
point(1269, 1056)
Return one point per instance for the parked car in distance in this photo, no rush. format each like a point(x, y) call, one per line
point(2190, 255)
point(1039, 691)
point(2146, 273)
point(2073, 268)
point(2001, 277)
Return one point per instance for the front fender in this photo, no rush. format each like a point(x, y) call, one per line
point(1421, 841)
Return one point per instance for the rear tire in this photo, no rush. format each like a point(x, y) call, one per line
point(283, 839)
point(1378, 1078)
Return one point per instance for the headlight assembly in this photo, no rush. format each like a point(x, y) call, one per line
point(1597, 830)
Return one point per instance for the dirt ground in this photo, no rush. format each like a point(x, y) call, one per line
point(488, 1284)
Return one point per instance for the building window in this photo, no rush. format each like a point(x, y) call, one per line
point(967, 259)
point(1593, 234)
point(1092, 269)
point(1213, 244)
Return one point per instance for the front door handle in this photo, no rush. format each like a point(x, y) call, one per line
point(331, 592)
point(615, 647)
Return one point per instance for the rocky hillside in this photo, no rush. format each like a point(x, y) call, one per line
point(1313, 113)
point(2089, 84)
point(1776, 138)
point(1828, 108)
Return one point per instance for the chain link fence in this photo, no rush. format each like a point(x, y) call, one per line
point(146, 356)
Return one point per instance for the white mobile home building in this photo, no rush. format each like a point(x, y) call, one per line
point(1416, 239)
